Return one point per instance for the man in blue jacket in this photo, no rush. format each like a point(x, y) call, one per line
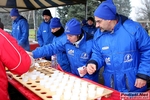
point(44, 35)
point(122, 46)
point(58, 32)
point(20, 29)
point(76, 44)
point(89, 27)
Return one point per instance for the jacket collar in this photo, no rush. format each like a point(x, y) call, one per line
point(17, 19)
point(81, 41)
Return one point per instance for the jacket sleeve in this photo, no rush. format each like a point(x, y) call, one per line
point(143, 42)
point(13, 56)
point(49, 49)
point(96, 55)
point(39, 36)
point(25, 32)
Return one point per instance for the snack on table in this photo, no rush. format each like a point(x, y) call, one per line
point(41, 64)
point(47, 64)
point(31, 69)
point(44, 63)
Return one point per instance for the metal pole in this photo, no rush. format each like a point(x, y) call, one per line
point(86, 9)
point(35, 22)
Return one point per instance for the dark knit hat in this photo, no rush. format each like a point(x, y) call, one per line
point(90, 18)
point(55, 23)
point(47, 12)
point(73, 27)
point(14, 12)
point(106, 10)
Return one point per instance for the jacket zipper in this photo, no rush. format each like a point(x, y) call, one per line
point(127, 84)
point(112, 82)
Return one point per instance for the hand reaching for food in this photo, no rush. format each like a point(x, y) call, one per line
point(82, 71)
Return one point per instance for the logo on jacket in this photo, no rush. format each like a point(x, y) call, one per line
point(67, 29)
point(17, 27)
point(128, 58)
point(84, 56)
point(105, 48)
point(44, 31)
point(71, 52)
point(107, 60)
point(92, 32)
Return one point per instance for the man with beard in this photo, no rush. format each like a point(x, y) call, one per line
point(58, 32)
point(122, 46)
point(44, 35)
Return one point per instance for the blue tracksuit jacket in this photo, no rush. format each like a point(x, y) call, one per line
point(20, 31)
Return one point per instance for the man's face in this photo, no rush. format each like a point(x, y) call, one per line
point(46, 18)
point(53, 30)
point(72, 38)
point(90, 22)
point(13, 17)
point(102, 24)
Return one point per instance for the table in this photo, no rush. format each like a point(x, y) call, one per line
point(23, 90)
point(31, 96)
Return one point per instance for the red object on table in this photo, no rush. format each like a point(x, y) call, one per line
point(33, 46)
point(59, 68)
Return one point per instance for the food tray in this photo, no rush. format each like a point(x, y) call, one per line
point(52, 84)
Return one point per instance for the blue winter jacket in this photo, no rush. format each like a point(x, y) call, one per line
point(62, 58)
point(125, 55)
point(91, 29)
point(44, 35)
point(20, 31)
point(77, 57)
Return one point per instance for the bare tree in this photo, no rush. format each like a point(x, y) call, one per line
point(27, 14)
point(143, 11)
point(123, 7)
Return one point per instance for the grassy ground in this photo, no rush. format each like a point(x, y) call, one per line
point(32, 34)
point(149, 32)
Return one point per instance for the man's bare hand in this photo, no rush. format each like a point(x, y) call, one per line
point(91, 68)
point(139, 83)
point(83, 71)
